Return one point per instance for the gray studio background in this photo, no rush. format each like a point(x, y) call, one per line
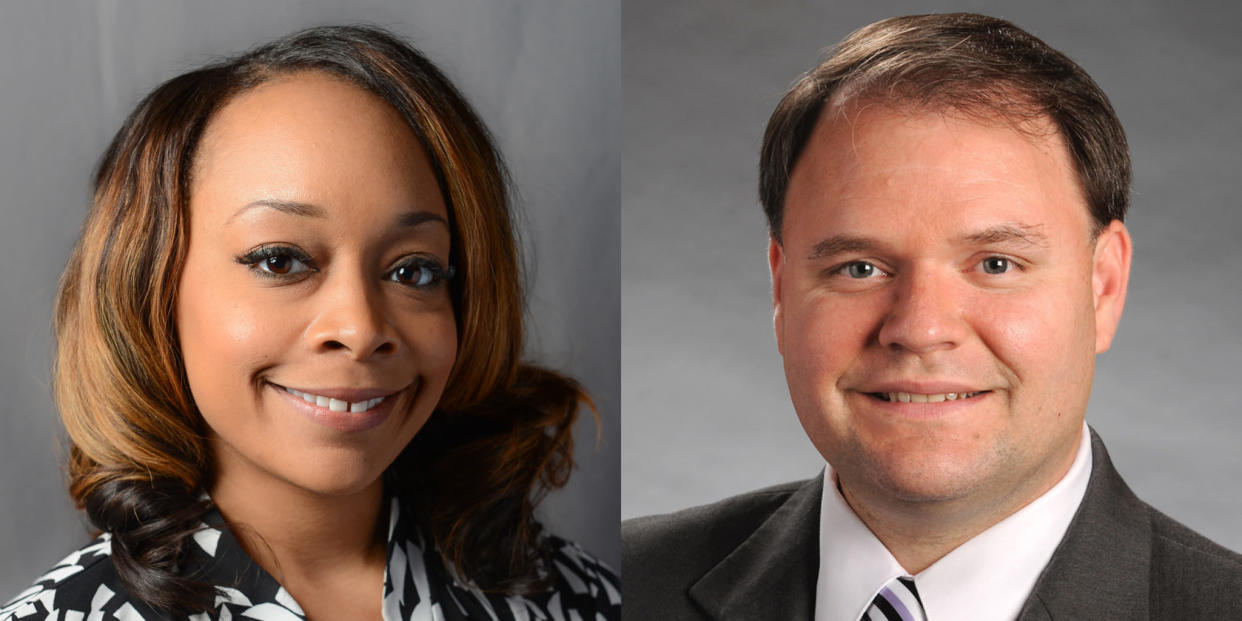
point(543, 75)
point(707, 412)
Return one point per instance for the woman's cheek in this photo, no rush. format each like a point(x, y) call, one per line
point(436, 344)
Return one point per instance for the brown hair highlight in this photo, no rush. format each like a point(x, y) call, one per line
point(139, 461)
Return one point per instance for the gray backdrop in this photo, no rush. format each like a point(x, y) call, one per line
point(707, 412)
point(543, 75)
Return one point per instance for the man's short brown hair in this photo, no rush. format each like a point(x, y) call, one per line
point(961, 62)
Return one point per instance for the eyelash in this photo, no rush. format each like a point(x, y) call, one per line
point(253, 260)
point(842, 270)
point(1010, 262)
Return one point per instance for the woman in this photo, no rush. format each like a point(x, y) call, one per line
point(288, 358)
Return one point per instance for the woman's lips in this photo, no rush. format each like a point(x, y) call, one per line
point(339, 414)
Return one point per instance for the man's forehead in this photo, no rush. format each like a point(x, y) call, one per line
point(1039, 130)
point(876, 166)
point(878, 139)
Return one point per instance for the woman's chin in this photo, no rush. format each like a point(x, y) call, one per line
point(337, 476)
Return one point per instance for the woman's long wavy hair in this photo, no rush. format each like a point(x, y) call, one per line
point(139, 460)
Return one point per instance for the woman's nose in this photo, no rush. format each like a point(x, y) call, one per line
point(350, 317)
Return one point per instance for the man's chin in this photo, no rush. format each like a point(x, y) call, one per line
point(930, 476)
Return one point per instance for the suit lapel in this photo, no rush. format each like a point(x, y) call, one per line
point(772, 574)
point(1101, 568)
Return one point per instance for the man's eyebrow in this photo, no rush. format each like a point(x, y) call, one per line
point(841, 244)
point(1010, 233)
point(408, 219)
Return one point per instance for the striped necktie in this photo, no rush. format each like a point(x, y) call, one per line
point(897, 601)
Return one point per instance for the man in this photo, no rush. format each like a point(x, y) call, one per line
point(945, 198)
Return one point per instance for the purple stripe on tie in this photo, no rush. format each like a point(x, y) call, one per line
point(896, 603)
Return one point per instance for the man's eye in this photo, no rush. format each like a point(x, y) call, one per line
point(860, 270)
point(996, 265)
point(420, 273)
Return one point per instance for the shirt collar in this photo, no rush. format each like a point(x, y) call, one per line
point(994, 571)
point(410, 576)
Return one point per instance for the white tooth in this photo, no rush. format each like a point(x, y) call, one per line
point(374, 402)
point(892, 397)
point(322, 401)
point(903, 397)
point(336, 405)
point(917, 398)
point(935, 398)
point(951, 396)
point(308, 398)
point(360, 406)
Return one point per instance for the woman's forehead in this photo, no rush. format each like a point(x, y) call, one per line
point(312, 137)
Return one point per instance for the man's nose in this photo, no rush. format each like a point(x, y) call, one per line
point(350, 317)
point(927, 313)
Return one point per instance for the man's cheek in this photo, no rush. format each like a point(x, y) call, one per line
point(821, 340)
point(1015, 327)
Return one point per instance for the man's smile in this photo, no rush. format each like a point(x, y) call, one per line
point(906, 397)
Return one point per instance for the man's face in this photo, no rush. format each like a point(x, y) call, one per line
point(939, 301)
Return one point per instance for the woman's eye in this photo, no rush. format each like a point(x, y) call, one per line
point(996, 265)
point(420, 274)
point(276, 262)
point(860, 270)
point(281, 264)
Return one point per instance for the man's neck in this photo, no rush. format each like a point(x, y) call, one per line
point(919, 533)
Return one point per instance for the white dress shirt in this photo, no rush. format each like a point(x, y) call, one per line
point(987, 578)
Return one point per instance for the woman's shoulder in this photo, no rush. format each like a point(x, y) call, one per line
point(576, 569)
point(580, 582)
point(85, 581)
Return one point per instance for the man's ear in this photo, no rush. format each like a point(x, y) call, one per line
point(1110, 274)
point(776, 260)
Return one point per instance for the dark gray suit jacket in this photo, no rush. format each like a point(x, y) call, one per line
point(756, 556)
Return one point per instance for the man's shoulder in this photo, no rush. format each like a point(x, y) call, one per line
point(1188, 572)
point(1191, 572)
point(1177, 543)
point(1124, 557)
point(699, 533)
point(662, 556)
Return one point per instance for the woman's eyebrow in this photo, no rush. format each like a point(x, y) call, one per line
point(407, 219)
point(294, 208)
point(415, 218)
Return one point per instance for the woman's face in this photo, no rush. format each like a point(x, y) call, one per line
point(315, 326)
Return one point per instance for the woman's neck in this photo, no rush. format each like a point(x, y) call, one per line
point(299, 536)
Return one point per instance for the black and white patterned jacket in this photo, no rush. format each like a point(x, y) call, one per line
point(417, 585)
